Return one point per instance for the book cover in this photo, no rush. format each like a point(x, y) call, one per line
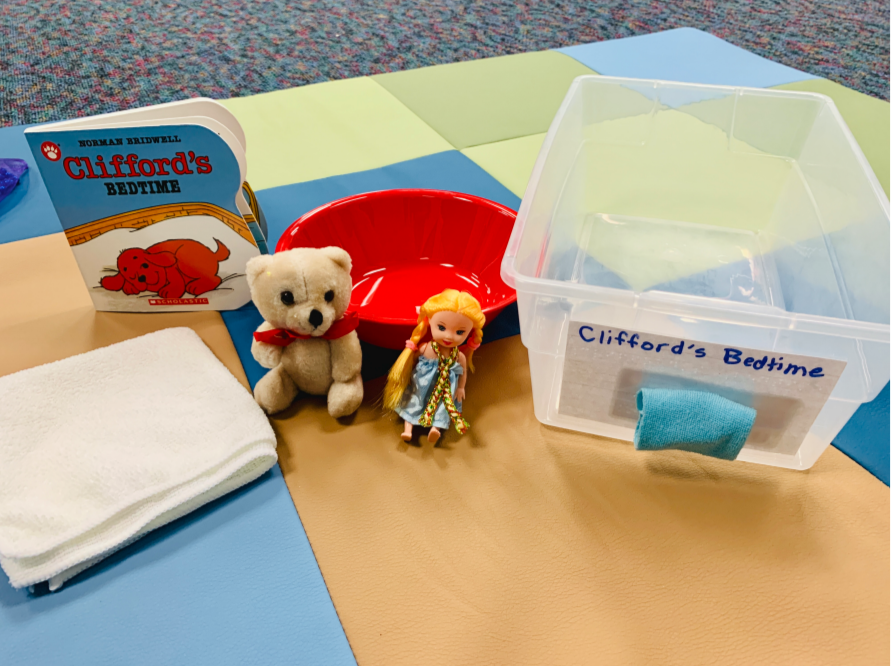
point(152, 213)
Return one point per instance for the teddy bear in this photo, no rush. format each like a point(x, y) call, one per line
point(308, 338)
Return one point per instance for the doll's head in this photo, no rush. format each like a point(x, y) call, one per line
point(452, 318)
point(450, 329)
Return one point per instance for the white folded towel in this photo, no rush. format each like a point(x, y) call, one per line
point(98, 449)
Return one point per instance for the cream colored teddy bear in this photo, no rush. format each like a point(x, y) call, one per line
point(303, 295)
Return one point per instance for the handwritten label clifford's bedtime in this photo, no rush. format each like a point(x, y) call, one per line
point(730, 355)
point(605, 367)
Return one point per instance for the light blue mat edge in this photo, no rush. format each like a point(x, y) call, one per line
point(684, 54)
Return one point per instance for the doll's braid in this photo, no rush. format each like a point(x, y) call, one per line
point(401, 372)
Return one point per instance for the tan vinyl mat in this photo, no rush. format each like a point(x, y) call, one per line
point(524, 544)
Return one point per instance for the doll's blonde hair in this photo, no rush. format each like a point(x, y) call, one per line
point(450, 300)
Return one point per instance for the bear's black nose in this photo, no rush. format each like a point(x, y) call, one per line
point(315, 318)
point(142, 278)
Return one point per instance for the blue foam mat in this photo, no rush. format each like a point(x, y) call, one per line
point(28, 212)
point(865, 438)
point(683, 54)
point(232, 583)
point(281, 206)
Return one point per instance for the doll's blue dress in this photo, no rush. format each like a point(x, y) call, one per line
point(418, 392)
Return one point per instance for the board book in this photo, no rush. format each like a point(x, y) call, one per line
point(155, 205)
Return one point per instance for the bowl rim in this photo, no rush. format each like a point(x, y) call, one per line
point(281, 244)
point(383, 194)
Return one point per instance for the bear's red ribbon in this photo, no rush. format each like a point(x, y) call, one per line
point(282, 337)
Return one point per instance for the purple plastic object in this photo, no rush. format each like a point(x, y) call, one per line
point(11, 170)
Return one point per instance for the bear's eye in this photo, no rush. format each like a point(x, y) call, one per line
point(287, 297)
point(145, 265)
point(329, 296)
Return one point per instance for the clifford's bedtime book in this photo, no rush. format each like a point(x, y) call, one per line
point(155, 205)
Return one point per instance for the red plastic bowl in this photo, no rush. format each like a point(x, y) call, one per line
point(408, 245)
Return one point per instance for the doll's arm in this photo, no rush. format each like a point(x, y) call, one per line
point(346, 357)
point(267, 355)
point(462, 378)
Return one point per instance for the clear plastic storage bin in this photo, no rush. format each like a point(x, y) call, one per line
point(731, 217)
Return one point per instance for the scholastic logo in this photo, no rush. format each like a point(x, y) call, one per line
point(50, 151)
point(178, 301)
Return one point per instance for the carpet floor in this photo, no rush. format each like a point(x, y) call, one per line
point(66, 58)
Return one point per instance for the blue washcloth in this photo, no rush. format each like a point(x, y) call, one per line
point(695, 421)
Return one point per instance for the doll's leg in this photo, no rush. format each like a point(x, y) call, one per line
point(433, 435)
point(407, 432)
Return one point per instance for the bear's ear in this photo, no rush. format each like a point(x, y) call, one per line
point(339, 256)
point(256, 266)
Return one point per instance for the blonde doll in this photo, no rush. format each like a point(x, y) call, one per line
point(426, 385)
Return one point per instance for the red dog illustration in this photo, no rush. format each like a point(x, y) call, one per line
point(169, 268)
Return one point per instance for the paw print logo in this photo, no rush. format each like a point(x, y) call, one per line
point(50, 151)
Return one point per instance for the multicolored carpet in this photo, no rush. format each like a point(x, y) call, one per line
point(62, 59)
